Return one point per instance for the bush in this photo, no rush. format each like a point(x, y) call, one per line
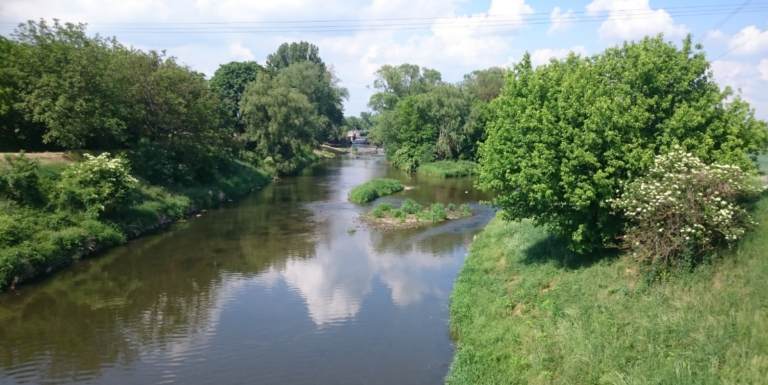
point(377, 212)
point(451, 206)
point(373, 189)
point(563, 136)
point(465, 210)
point(19, 181)
point(98, 186)
point(682, 208)
point(400, 215)
point(436, 213)
point(385, 206)
point(411, 207)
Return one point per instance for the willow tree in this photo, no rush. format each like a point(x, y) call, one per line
point(564, 136)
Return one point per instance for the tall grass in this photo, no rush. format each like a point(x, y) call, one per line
point(524, 310)
point(373, 189)
point(448, 168)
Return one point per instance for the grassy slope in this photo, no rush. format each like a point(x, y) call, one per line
point(448, 168)
point(36, 239)
point(524, 310)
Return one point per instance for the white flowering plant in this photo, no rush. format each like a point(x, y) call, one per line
point(682, 207)
point(99, 186)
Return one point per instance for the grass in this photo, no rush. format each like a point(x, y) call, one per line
point(38, 237)
point(373, 189)
point(526, 311)
point(448, 168)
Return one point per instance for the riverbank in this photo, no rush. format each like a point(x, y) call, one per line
point(524, 310)
point(448, 168)
point(38, 238)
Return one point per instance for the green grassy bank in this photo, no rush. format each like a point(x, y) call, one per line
point(448, 168)
point(39, 237)
point(526, 311)
point(375, 188)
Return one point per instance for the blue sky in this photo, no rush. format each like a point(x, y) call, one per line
point(452, 36)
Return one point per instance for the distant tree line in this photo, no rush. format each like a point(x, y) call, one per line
point(61, 89)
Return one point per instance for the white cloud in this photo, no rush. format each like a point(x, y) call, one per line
point(763, 66)
point(561, 21)
point(633, 19)
point(542, 56)
point(239, 52)
point(750, 41)
point(752, 80)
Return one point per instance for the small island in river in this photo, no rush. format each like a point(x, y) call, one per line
point(411, 214)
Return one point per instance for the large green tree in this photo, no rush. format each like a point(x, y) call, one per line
point(70, 83)
point(565, 136)
point(280, 119)
point(229, 83)
point(394, 83)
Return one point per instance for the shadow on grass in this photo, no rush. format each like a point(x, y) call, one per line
point(553, 249)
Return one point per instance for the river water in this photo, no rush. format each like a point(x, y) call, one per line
point(271, 289)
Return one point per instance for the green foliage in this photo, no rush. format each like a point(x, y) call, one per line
point(384, 206)
point(465, 210)
point(298, 107)
point(564, 136)
point(294, 53)
point(373, 189)
point(100, 186)
point(395, 83)
point(60, 73)
point(485, 85)
point(436, 213)
point(19, 181)
point(525, 310)
point(411, 207)
point(377, 213)
point(229, 83)
point(451, 207)
point(448, 168)
point(398, 214)
point(683, 208)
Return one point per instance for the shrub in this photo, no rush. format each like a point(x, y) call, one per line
point(436, 212)
point(98, 186)
point(377, 212)
point(563, 136)
point(465, 210)
point(410, 206)
point(683, 208)
point(19, 181)
point(451, 207)
point(385, 206)
point(373, 189)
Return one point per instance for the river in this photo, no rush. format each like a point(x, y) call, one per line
point(270, 289)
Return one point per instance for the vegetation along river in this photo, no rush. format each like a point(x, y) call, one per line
point(271, 289)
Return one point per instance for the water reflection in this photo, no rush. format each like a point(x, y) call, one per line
point(275, 284)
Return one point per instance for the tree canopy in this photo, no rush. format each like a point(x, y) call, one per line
point(229, 83)
point(564, 136)
point(294, 53)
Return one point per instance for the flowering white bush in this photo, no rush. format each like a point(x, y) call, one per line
point(683, 207)
point(98, 185)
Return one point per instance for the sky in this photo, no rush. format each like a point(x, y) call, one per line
point(454, 37)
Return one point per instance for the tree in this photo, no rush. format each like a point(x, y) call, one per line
point(280, 120)
point(485, 85)
point(395, 83)
point(293, 53)
point(229, 83)
point(69, 83)
point(565, 137)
